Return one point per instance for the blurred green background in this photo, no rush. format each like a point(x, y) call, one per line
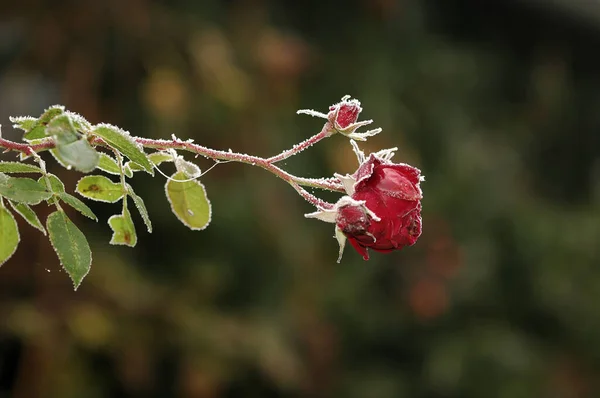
point(498, 102)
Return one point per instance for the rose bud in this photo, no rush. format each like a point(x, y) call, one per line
point(383, 208)
point(344, 113)
point(343, 118)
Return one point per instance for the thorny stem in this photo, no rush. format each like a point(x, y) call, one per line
point(248, 159)
point(331, 184)
point(25, 148)
point(324, 133)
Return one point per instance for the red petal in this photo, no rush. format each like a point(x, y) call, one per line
point(412, 173)
point(348, 114)
point(394, 182)
point(365, 170)
point(385, 250)
point(360, 249)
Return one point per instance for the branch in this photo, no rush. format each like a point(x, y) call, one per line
point(175, 143)
point(325, 132)
point(73, 142)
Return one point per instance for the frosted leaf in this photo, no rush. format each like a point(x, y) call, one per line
point(79, 121)
point(311, 112)
point(188, 168)
point(341, 238)
point(123, 142)
point(386, 154)
point(348, 182)
point(360, 155)
point(21, 119)
point(25, 123)
point(188, 201)
point(365, 135)
point(324, 215)
point(124, 133)
point(329, 215)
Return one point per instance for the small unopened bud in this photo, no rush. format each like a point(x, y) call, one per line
point(345, 113)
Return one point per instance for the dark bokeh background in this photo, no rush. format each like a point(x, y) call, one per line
point(498, 102)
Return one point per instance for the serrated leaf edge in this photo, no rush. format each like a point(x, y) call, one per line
point(115, 173)
point(38, 227)
point(34, 167)
point(92, 216)
point(127, 135)
point(146, 218)
point(20, 119)
point(37, 181)
point(49, 176)
point(18, 237)
point(75, 287)
point(76, 117)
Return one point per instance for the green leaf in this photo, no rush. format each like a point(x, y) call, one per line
point(56, 184)
point(70, 245)
point(79, 122)
point(188, 168)
point(16, 167)
point(188, 201)
point(122, 141)
point(72, 149)
point(28, 215)
point(59, 159)
point(24, 123)
point(127, 171)
point(62, 130)
point(9, 235)
point(159, 157)
point(99, 188)
point(38, 129)
point(139, 203)
point(123, 228)
point(79, 155)
point(133, 166)
point(108, 164)
point(77, 205)
point(23, 190)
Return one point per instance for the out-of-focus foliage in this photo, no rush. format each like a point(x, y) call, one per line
point(496, 102)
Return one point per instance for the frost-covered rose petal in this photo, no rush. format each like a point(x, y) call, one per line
point(391, 191)
point(346, 113)
point(382, 210)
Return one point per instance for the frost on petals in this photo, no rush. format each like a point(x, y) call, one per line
point(382, 209)
point(345, 113)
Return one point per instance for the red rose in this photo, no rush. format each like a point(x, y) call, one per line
point(383, 208)
point(345, 113)
point(392, 192)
